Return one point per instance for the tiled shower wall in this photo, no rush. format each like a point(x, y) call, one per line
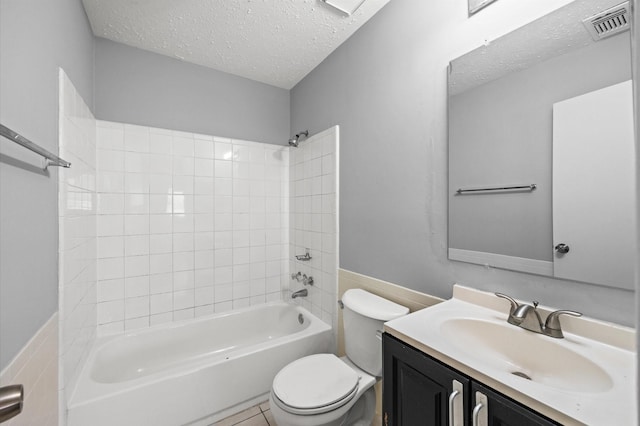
point(188, 225)
point(77, 236)
point(314, 227)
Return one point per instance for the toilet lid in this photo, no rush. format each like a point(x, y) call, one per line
point(315, 381)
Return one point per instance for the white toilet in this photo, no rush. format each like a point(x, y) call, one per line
point(326, 390)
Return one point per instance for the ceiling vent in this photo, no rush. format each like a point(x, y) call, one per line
point(611, 21)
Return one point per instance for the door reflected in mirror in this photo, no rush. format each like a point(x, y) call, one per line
point(501, 138)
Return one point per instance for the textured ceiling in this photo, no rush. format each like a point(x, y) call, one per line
point(555, 34)
point(276, 42)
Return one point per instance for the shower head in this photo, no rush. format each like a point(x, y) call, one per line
point(294, 140)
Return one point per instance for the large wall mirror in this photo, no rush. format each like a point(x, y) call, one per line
point(541, 148)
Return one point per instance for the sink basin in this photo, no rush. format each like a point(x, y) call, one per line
point(526, 355)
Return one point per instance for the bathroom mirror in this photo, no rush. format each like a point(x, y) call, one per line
point(505, 172)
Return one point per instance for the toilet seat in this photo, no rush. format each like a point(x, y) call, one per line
point(315, 384)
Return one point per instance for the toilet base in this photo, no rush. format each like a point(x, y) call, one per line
point(358, 413)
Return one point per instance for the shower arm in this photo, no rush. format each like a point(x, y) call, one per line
point(296, 139)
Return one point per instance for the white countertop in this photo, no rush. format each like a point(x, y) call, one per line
point(609, 346)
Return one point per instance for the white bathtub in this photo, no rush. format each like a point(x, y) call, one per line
point(196, 372)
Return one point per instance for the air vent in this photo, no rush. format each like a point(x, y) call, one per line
point(611, 21)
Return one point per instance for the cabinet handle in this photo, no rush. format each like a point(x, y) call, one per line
point(452, 398)
point(481, 402)
point(455, 407)
point(476, 414)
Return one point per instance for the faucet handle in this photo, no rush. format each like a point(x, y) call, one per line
point(552, 325)
point(514, 304)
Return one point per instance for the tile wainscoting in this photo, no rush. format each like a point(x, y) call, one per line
point(36, 368)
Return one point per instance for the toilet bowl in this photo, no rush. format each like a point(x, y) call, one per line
point(324, 390)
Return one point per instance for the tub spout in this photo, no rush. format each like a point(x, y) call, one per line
point(300, 293)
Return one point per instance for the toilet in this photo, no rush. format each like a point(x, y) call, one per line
point(323, 389)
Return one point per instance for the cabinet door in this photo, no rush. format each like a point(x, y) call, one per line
point(502, 411)
point(416, 388)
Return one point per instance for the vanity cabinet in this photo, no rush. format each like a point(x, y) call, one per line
point(419, 390)
point(416, 388)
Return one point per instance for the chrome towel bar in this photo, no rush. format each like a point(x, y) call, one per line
point(498, 188)
point(50, 159)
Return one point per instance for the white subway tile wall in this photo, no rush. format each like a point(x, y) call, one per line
point(77, 236)
point(187, 224)
point(314, 227)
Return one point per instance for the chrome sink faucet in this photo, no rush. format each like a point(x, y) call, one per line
point(527, 317)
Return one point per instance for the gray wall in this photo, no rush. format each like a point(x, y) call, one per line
point(501, 133)
point(36, 37)
point(139, 87)
point(386, 87)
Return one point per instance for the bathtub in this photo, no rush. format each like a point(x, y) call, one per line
point(195, 372)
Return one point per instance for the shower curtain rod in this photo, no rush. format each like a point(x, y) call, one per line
point(50, 159)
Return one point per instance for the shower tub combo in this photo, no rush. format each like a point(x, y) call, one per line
point(193, 373)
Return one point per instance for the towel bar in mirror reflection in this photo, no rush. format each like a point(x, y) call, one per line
point(497, 188)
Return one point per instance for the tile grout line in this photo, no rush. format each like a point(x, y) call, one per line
point(263, 412)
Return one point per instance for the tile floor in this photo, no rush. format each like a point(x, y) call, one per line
point(260, 415)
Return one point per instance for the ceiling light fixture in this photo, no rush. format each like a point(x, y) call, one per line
point(345, 6)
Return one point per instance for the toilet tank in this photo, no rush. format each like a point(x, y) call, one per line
point(363, 316)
